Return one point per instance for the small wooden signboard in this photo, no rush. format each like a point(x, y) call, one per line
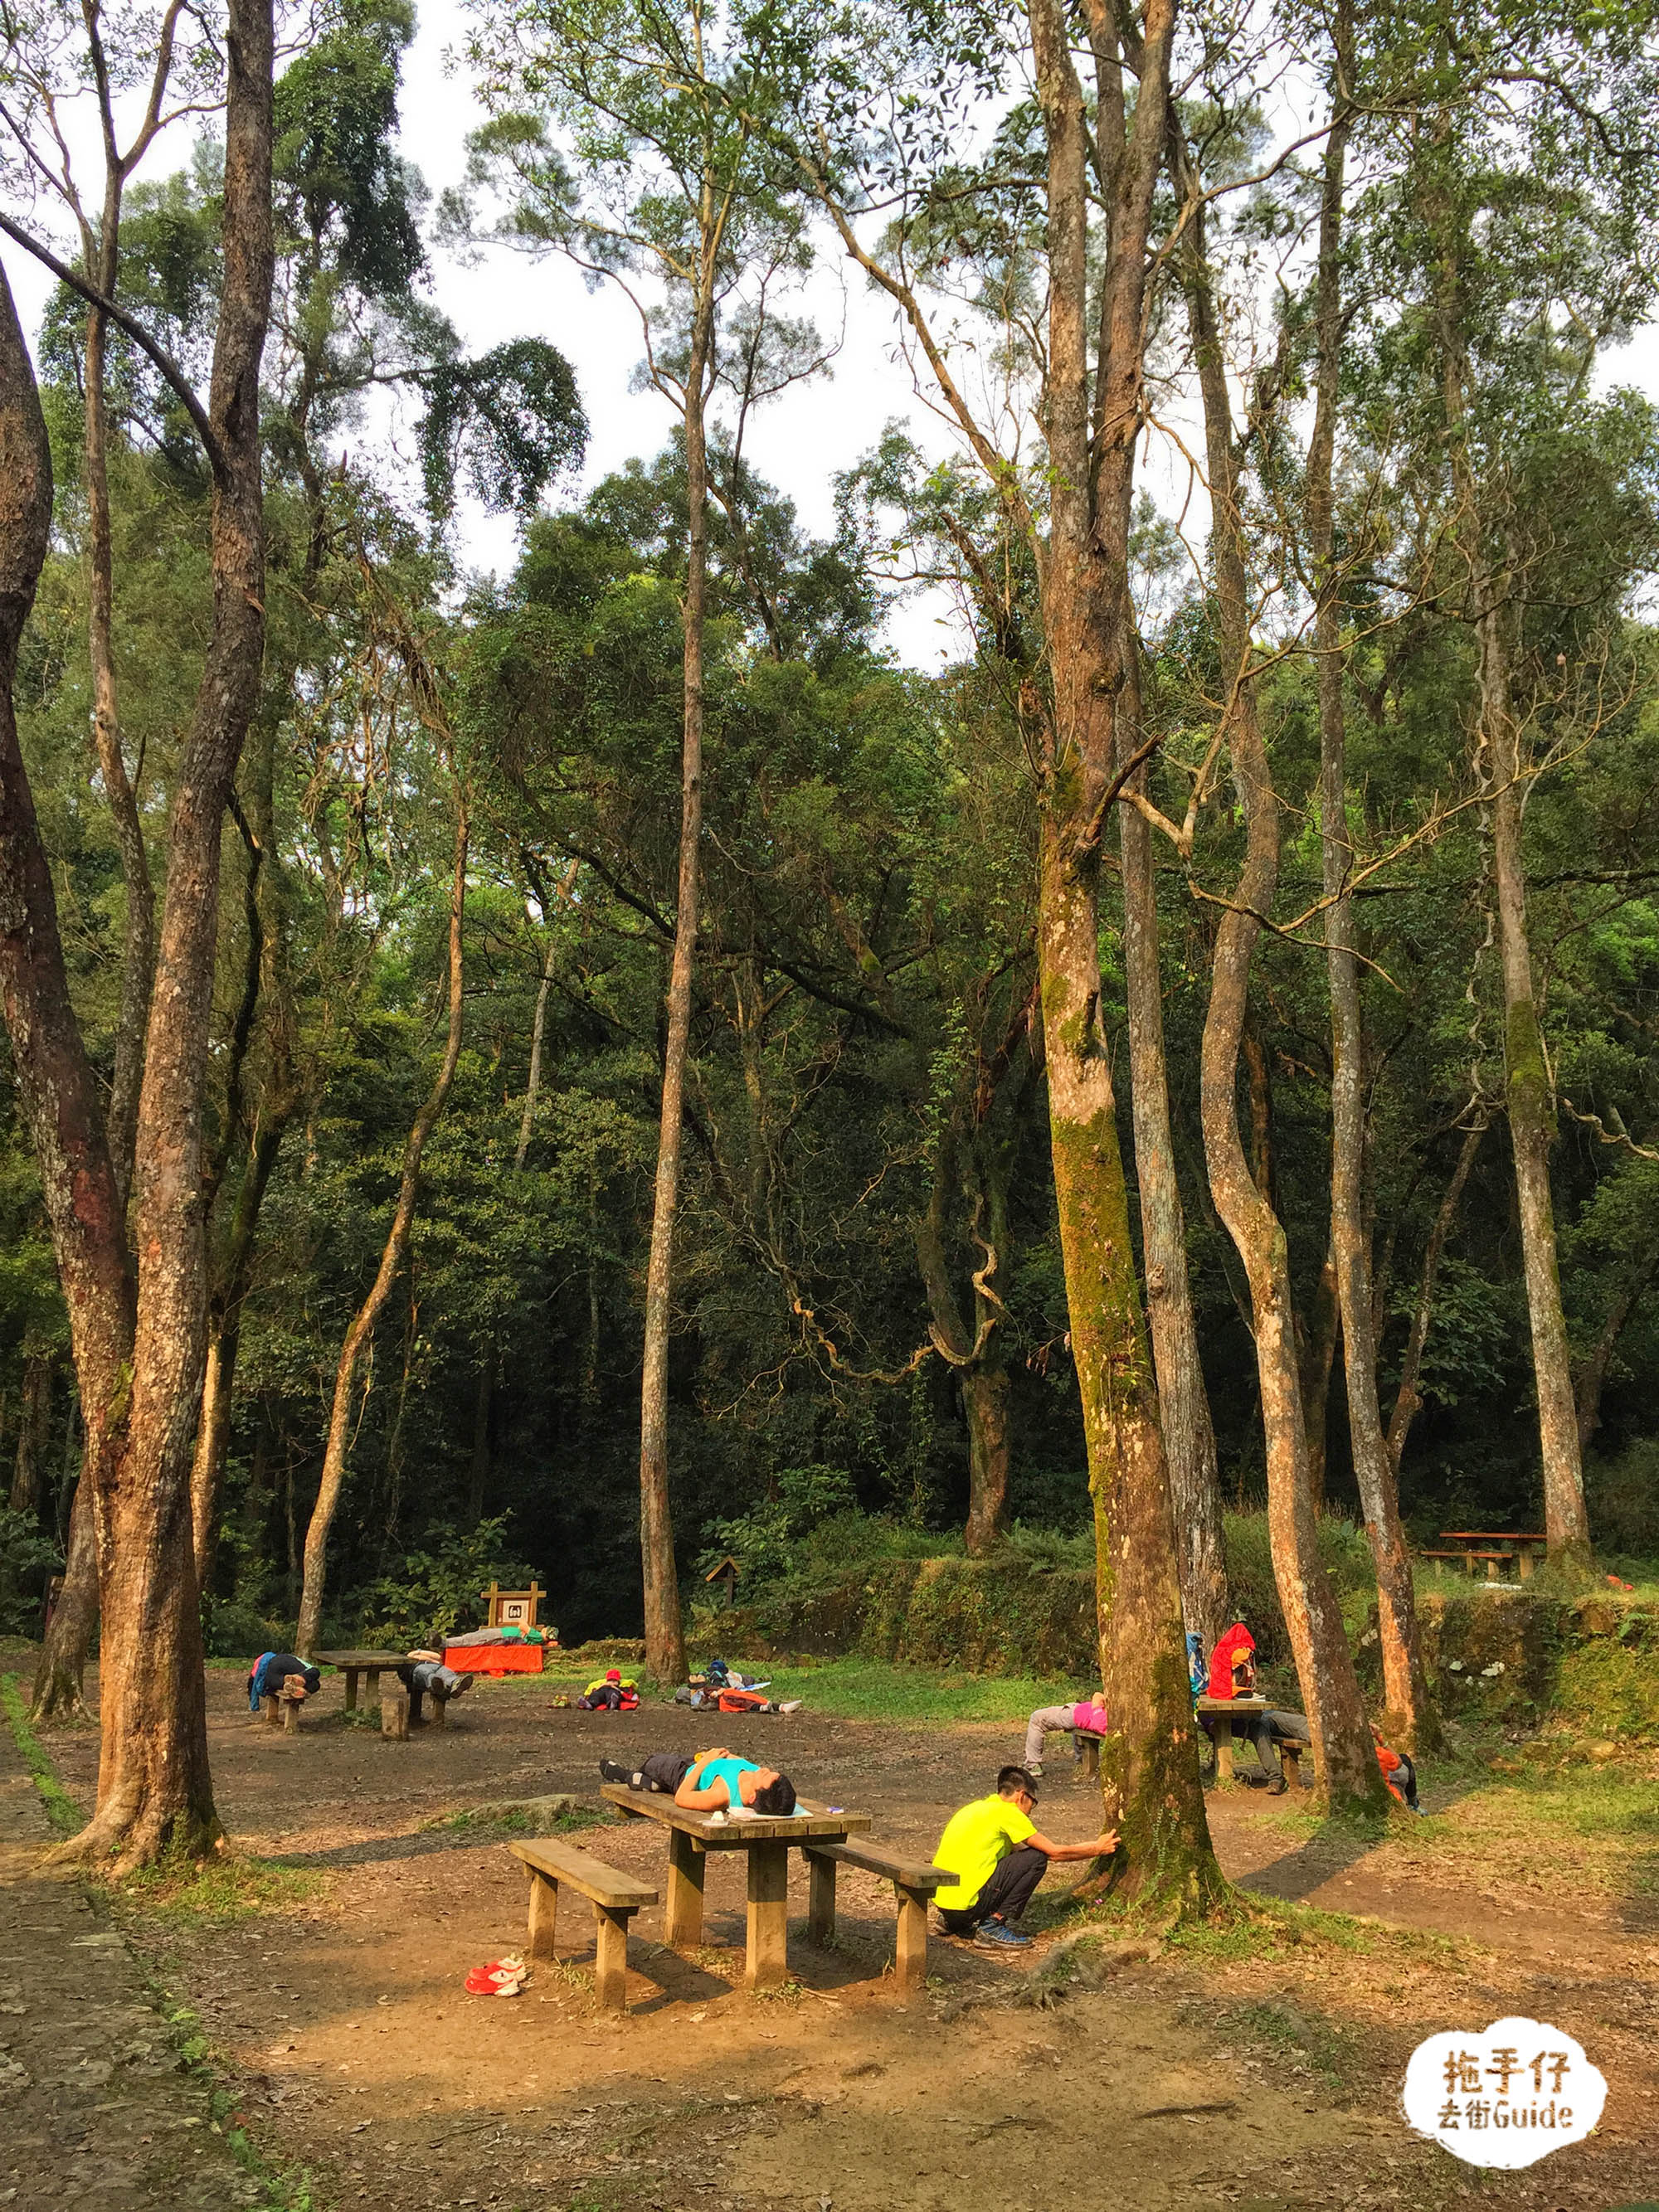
point(512, 1608)
point(726, 1576)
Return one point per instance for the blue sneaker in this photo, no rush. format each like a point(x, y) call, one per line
point(997, 1936)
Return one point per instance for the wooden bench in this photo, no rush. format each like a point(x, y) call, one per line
point(1088, 1752)
point(615, 1898)
point(281, 1709)
point(1291, 1748)
point(914, 1883)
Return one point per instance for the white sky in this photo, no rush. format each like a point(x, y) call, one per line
point(798, 443)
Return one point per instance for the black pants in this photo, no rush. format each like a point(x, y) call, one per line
point(606, 1699)
point(1263, 1729)
point(664, 1770)
point(1404, 1779)
point(1012, 1882)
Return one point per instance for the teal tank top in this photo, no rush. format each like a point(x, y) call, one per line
point(726, 1771)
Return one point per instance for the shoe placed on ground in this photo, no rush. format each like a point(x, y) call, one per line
point(792, 1705)
point(1035, 1769)
point(997, 1936)
point(610, 1771)
point(1279, 1785)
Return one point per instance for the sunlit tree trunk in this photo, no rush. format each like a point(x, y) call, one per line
point(1404, 1690)
point(1408, 1398)
point(1343, 1753)
point(358, 1336)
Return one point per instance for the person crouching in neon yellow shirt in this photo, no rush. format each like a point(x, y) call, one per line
point(998, 1856)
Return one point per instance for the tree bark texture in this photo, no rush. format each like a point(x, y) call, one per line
point(1183, 1401)
point(1343, 1753)
point(1317, 1355)
point(971, 1350)
point(154, 1786)
point(358, 1336)
point(1407, 1399)
point(665, 1632)
point(1149, 1767)
point(1404, 1686)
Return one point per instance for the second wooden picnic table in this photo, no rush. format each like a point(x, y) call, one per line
point(691, 1835)
point(353, 1663)
point(1490, 1547)
point(1226, 1708)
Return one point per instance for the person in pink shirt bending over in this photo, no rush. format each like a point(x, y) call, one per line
point(1077, 1720)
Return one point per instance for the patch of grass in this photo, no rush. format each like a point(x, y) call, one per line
point(873, 1689)
point(61, 1809)
point(1313, 2044)
point(227, 1887)
point(529, 1816)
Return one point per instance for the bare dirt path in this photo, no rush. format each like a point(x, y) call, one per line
point(95, 2110)
point(1266, 2079)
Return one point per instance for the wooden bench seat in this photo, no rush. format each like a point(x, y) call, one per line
point(914, 1881)
point(615, 1898)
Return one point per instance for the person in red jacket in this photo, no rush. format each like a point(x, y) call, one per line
point(1233, 1675)
point(1398, 1772)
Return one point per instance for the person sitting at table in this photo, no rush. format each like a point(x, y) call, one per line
point(1233, 1675)
point(993, 1849)
point(714, 1781)
point(1079, 1720)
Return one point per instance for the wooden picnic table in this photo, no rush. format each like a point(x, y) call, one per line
point(354, 1664)
point(1224, 1737)
point(767, 1840)
point(1488, 1547)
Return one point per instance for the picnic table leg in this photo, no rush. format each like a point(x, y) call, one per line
point(439, 1711)
point(544, 1916)
point(273, 1712)
point(1224, 1750)
point(682, 1919)
point(1090, 1747)
point(1492, 1571)
point(766, 1963)
point(373, 1682)
point(910, 1950)
point(351, 1689)
point(1471, 1565)
point(820, 1898)
point(610, 1958)
point(1525, 1563)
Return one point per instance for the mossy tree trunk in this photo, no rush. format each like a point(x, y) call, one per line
point(1149, 1765)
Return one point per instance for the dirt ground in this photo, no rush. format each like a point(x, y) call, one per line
point(1262, 2079)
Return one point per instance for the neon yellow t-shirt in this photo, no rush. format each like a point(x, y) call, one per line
point(974, 1840)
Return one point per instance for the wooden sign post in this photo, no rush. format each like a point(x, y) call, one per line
point(512, 1608)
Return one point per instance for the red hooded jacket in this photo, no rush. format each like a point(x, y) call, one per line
point(1236, 1639)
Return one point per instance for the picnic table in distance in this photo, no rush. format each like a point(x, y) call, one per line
point(1490, 1547)
point(766, 1841)
point(354, 1664)
point(1224, 1737)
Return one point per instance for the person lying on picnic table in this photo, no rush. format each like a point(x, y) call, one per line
point(1233, 1675)
point(1080, 1720)
point(714, 1781)
point(424, 1675)
point(998, 1856)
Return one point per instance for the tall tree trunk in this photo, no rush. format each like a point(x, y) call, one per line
point(478, 1480)
point(533, 1087)
point(1404, 1690)
point(1592, 1370)
point(59, 1093)
point(138, 944)
point(1183, 1401)
point(1343, 1753)
point(1528, 1096)
point(1407, 1399)
point(665, 1632)
point(153, 1785)
point(970, 1351)
point(392, 1255)
point(1149, 1767)
point(34, 1429)
point(1317, 1355)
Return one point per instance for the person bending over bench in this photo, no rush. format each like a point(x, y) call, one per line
point(1078, 1721)
point(271, 1669)
point(713, 1782)
point(997, 1857)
